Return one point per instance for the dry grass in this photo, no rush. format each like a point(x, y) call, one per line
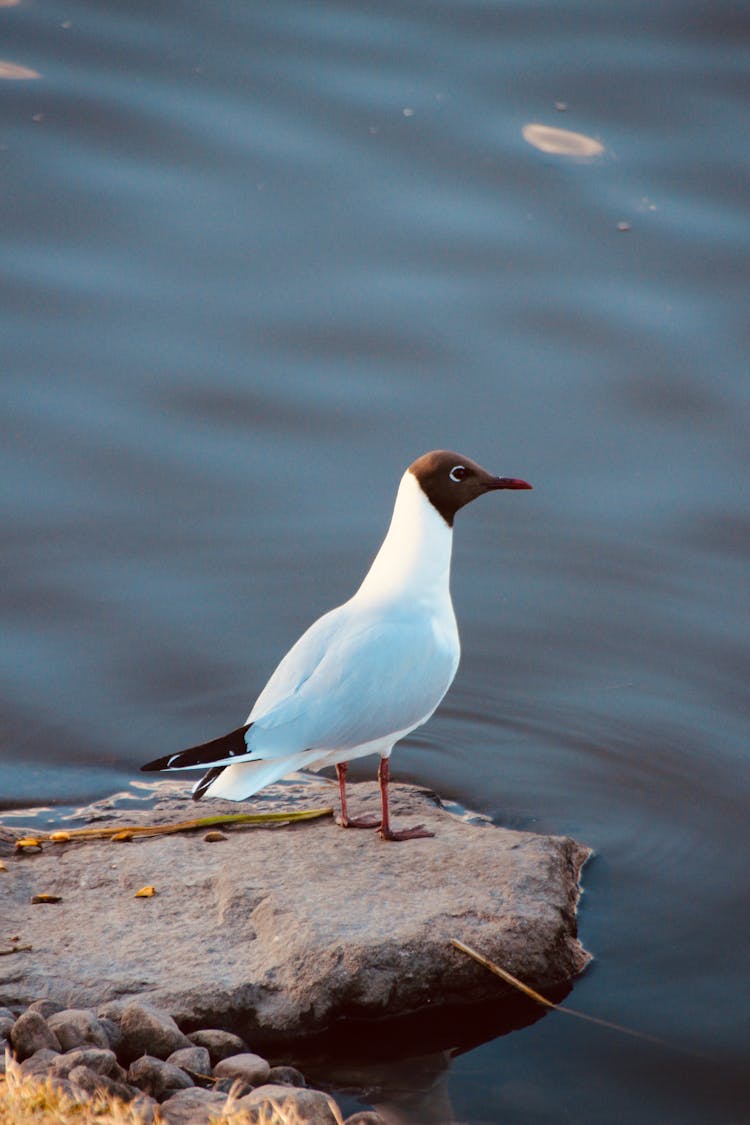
point(30, 1101)
point(26, 1100)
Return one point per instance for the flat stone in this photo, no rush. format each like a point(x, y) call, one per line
point(31, 1033)
point(196, 1059)
point(157, 1078)
point(310, 1106)
point(192, 1107)
point(283, 930)
point(219, 1044)
point(76, 1026)
point(147, 1030)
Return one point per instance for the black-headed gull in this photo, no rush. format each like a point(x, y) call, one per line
point(370, 671)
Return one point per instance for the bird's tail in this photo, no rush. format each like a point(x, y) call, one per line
point(217, 752)
point(241, 780)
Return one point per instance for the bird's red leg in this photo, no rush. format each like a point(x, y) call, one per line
point(345, 820)
point(386, 832)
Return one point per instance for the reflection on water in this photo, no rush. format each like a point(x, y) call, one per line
point(258, 259)
point(562, 142)
point(16, 72)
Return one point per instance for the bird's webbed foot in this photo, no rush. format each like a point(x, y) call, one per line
point(357, 822)
point(419, 832)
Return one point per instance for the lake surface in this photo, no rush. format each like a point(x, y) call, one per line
point(255, 258)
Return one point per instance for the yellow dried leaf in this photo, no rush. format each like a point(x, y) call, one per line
point(214, 837)
point(2, 866)
point(145, 892)
point(60, 837)
point(27, 842)
point(36, 899)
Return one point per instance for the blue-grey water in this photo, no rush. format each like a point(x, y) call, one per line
point(257, 257)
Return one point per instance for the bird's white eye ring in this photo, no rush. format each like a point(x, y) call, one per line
point(457, 473)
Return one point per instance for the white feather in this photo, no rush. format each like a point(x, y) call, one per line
point(367, 673)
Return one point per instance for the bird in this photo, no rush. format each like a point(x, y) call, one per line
point(370, 671)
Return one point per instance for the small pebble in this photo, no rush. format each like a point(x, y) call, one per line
point(248, 1068)
point(157, 1078)
point(219, 1044)
point(286, 1076)
point(45, 1007)
point(31, 1033)
point(39, 1063)
point(214, 837)
point(195, 1060)
point(87, 1071)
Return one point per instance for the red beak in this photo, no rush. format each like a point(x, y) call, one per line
point(509, 482)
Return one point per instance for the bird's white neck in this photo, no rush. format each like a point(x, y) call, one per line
point(415, 557)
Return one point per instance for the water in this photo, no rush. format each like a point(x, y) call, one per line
point(255, 258)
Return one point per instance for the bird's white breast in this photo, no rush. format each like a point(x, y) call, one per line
point(380, 662)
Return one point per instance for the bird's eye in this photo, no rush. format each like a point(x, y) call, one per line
point(457, 473)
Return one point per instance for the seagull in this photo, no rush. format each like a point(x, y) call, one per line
point(367, 673)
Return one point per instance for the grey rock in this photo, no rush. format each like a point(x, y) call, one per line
point(249, 1068)
point(97, 1059)
point(232, 1086)
point(46, 1007)
point(93, 1083)
point(143, 1107)
point(196, 1059)
point(310, 1106)
point(64, 1087)
point(6, 1014)
point(39, 1063)
point(283, 930)
point(6, 1023)
point(157, 1078)
point(147, 1030)
point(192, 1107)
point(113, 1033)
point(113, 1010)
point(75, 1027)
point(365, 1117)
point(219, 1044)
point(30, 1033)
point(285, 1076)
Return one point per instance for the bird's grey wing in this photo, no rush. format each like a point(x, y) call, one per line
point(299, 663)
point(373, 681)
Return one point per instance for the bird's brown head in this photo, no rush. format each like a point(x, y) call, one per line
point(450, 481)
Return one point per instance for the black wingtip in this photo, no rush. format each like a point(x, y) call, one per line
point(206, 781)
point(157, 764)
point(226, 746)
